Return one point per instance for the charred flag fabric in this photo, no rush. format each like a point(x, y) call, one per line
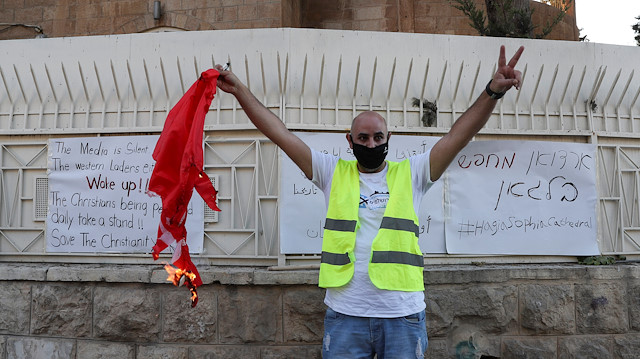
point(179, 168)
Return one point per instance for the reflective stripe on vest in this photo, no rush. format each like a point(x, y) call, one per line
point(335, 258)
point(397, 257)
point(338, 260)
point(400, 224)
point(340, 225)
point(396, 261)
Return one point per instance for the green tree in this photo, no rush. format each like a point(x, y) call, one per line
point(507, 18)
point(636, 28)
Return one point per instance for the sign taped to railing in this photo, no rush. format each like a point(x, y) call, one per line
point(303, 208)
point(98, 199)
point(502, 197)
point(522, 197)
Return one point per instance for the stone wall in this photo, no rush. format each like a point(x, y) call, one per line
point(106, 17)
point(126, 311)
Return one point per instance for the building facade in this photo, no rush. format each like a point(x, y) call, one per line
point(31, 18)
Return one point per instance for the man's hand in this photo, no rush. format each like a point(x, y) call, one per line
point(227, 81)
point(472, 120)
point(507, 76)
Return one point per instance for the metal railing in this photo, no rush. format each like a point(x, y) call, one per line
point(127, 84)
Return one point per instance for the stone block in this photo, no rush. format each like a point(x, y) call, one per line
point(425, 25)
point(9, 271)
point(269, 10)
point(13, 4)
point(634, 305)
point(464, 275)
point(466, 341)
point(53, 12)
point(285, 277)
point(303, 314)
point(547, 309)
point(127, 313)
point(437, 349)
point(441, 10)
point(249, 314)
point(61, 27)
point(608, 272)
point(192, 24)
point(363, 3)
point(126, 27)
point(601, 309)
point(247, 12)
point(30, 3)
point(7, 15)
point(15, 301)
point(369, 13)
point(136, 8)
point(228, 14)
point(30, 348)
point(306, 352)
point(206, 13)
point(61, 310)
point(529, 348)
point(86, 10)
point(626, 346)
point(108, 9)
point(546, 272)
point(101, 272)
point(370, 25)
point(101, 350)
point(590, 347)
point(229, 3)
point(172, 5)
point(162, 352)
point(490, 309)
point(225, 351)
point(190, 325)
point(633, 271)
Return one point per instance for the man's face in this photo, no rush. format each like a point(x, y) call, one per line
point(368, 129)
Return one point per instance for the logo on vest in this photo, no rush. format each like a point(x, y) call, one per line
point(375, 201)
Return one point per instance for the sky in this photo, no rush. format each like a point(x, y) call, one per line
point(608, 21)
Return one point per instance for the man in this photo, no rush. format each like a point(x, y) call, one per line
point(371, 262)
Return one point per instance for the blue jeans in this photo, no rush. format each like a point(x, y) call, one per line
point(347, 337)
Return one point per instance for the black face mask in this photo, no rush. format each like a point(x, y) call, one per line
point(370, 158)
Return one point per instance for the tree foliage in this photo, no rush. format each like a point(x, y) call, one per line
point(507, 18)
point(636, 28)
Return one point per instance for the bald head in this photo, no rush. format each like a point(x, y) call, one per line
point(368, 129)
point(368, 120)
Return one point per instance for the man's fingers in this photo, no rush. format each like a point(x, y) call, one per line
point(502, 60)
point(515, 58)
point(518, 76)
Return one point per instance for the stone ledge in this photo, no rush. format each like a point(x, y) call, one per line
point(233, 275)
point(22, 271)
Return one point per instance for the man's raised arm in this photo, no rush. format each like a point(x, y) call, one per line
point(472, 120)
point(267, 122)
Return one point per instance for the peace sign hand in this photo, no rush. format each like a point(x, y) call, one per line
point(507, 76)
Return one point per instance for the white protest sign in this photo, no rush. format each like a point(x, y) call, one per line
point(522, 197)
point(303, 208)
point(98, 200)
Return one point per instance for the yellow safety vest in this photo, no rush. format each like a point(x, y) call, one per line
point(396, 261)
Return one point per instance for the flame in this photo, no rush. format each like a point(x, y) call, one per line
point(176, 275)
point(181, 277)
point(194, 296)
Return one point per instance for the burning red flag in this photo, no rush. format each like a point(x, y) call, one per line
point(179, 168)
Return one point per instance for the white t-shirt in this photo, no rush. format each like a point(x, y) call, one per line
point(360, 297)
